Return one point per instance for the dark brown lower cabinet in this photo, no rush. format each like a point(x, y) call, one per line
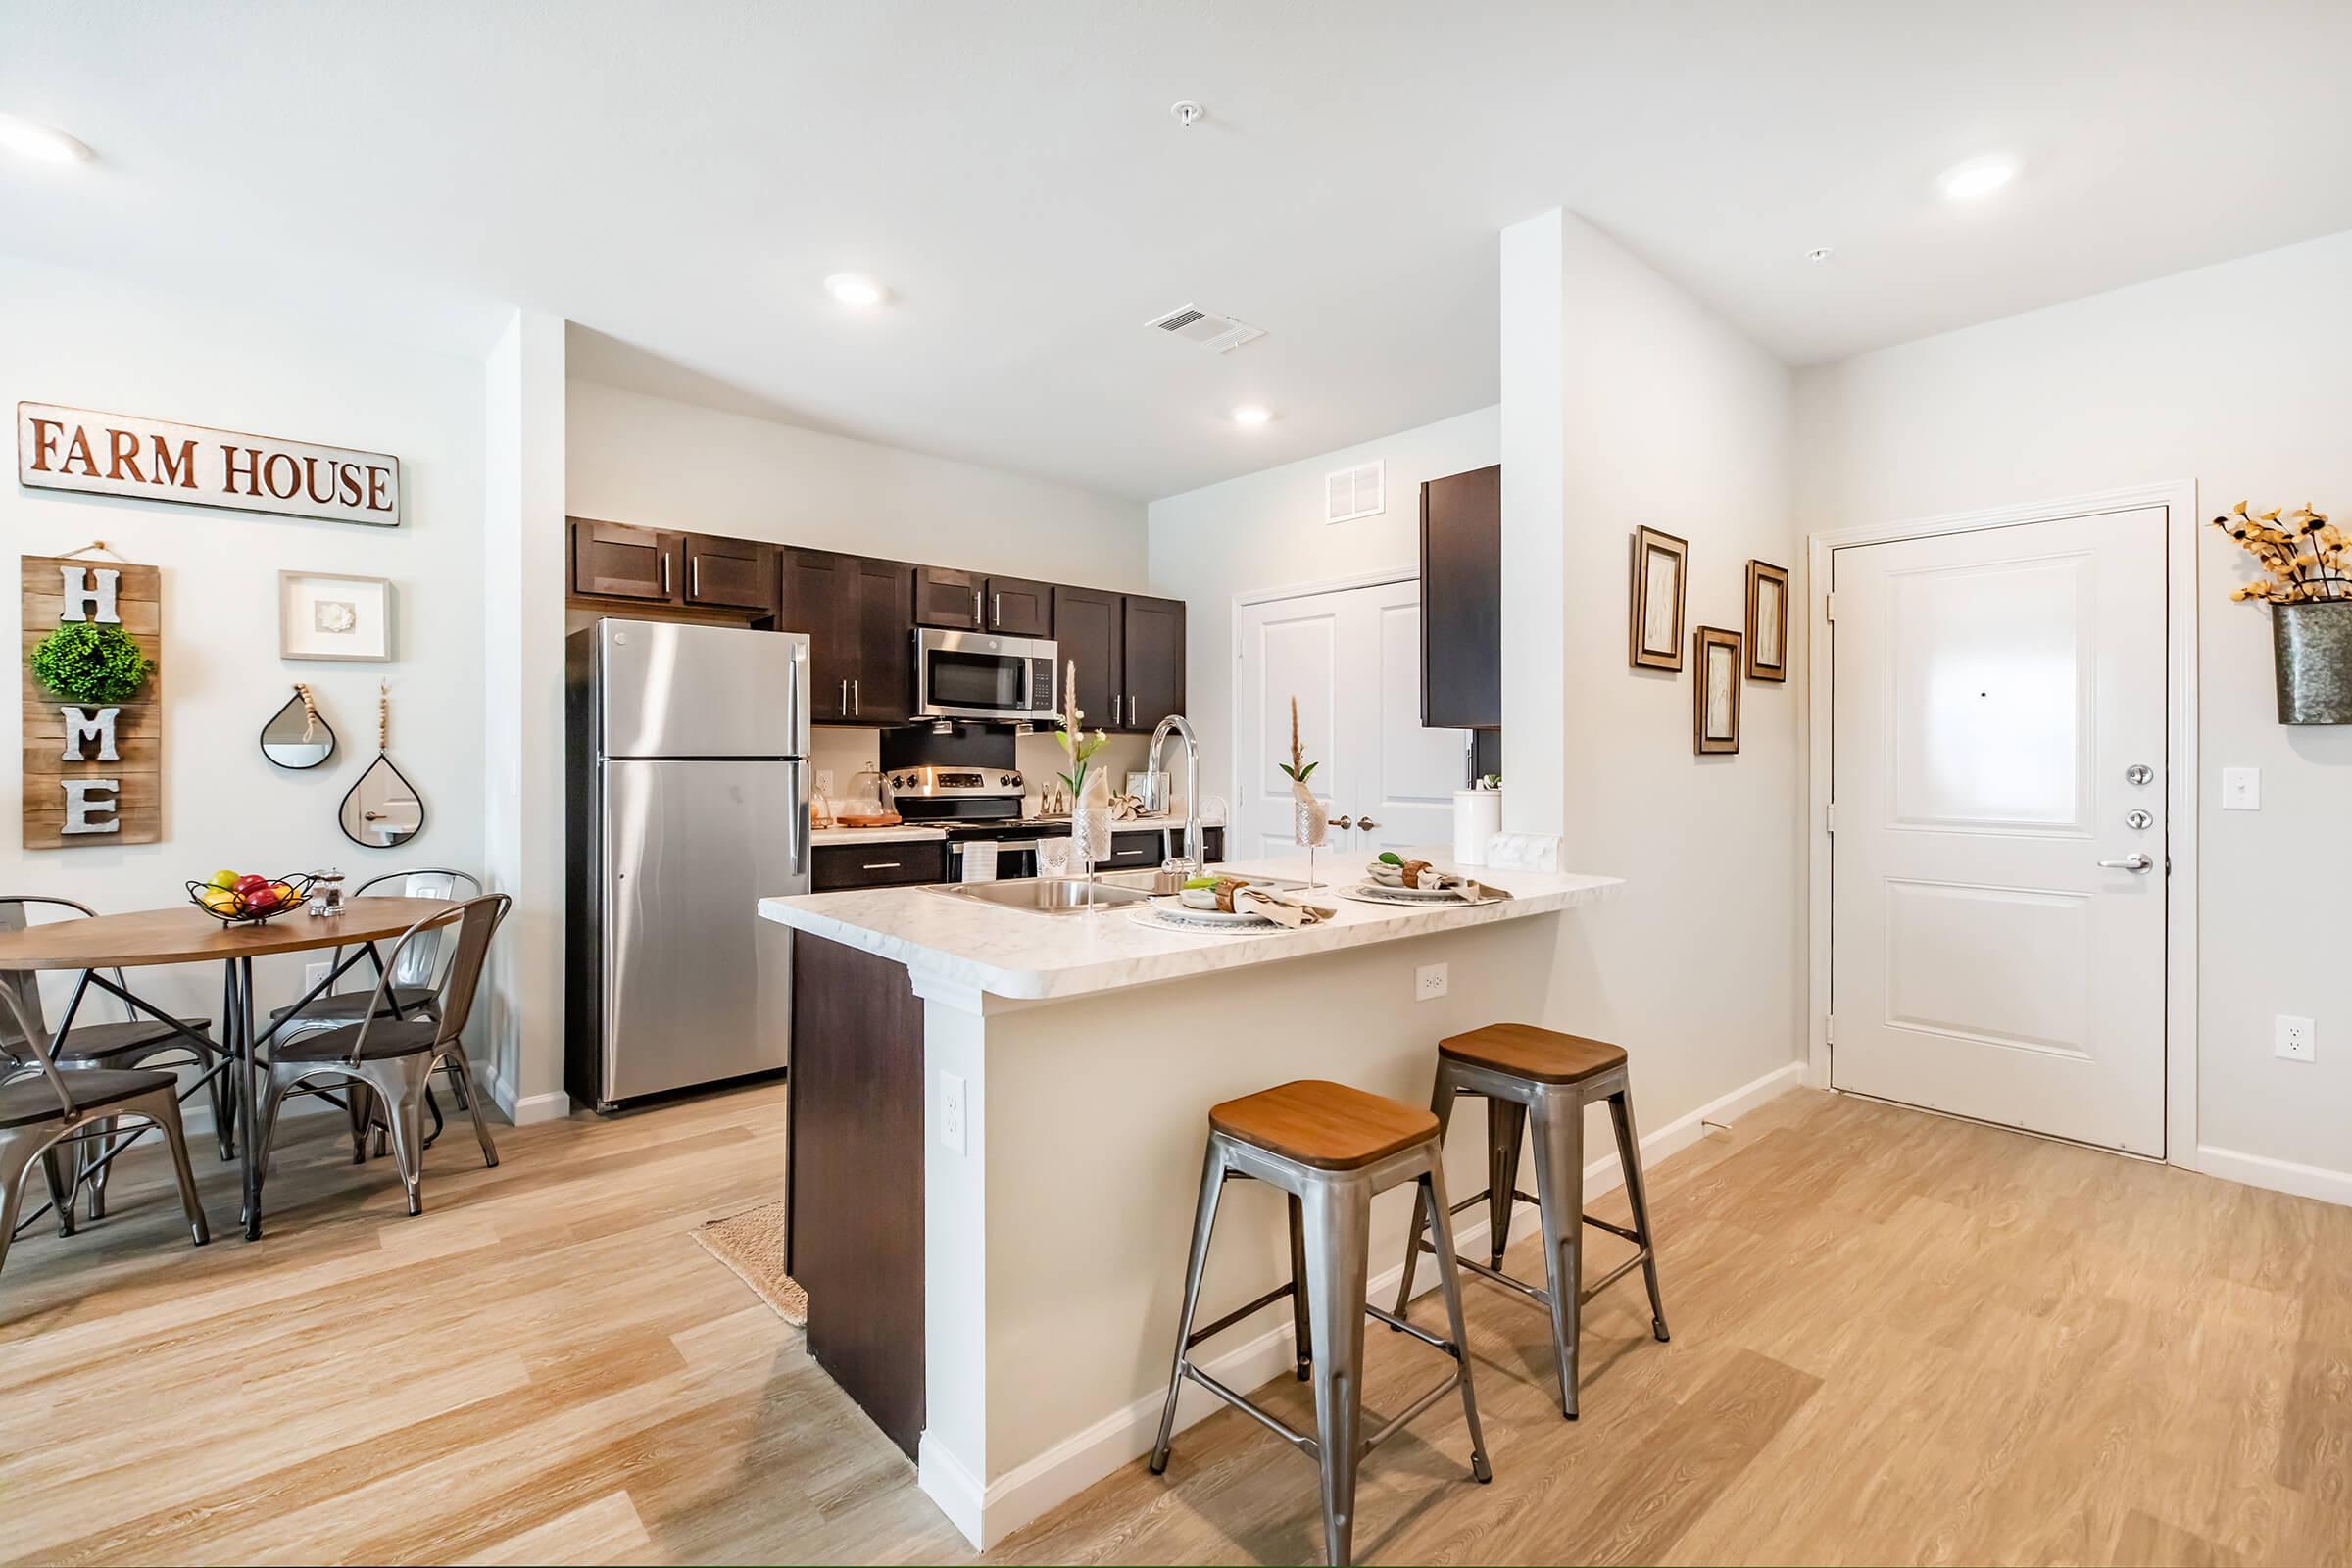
point(853, 1188)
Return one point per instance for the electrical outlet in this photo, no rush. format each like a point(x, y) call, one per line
point(2295, 1039)
point(824, 781)
point(1429, 982)
point(2242, 789)
point(951, 1111)
point(314, 976)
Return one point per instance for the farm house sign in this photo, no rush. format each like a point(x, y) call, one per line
point(154, 459)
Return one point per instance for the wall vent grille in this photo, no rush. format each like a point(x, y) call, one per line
point(1207, 329)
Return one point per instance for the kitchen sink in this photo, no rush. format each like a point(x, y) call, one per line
point(1051, 895)
point(1112, 890)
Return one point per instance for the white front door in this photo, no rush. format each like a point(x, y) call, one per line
point(1997, 941)
point(1352, 657)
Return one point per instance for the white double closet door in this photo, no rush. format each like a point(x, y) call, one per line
point(1998, 839)
point(1352, 659)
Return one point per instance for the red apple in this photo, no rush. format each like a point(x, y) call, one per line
point(262, 903)
point(249, 884)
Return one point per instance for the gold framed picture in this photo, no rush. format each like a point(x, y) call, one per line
point(1715, 695)
point(1767, 621)
point(1654, 637)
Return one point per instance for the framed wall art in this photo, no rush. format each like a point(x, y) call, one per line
point(93, 700)
point(320, 616)
point(1655, 633)
point(1715, 697)
point(1767, 621)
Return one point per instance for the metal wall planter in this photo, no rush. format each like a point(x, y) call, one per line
point(2313, 644)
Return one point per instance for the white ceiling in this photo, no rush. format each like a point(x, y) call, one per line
point(678, 179)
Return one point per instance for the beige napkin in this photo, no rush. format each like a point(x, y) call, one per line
point(1281, 912)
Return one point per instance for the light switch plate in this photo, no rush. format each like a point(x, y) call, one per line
point(2295, 1039)
point(951, 1111)
point(2242, 789)
point(824, 782)
point(1429, 982)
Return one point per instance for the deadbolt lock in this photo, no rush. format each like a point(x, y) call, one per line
point(2138, 774)
point(2138, 819)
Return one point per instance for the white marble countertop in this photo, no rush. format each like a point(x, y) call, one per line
point(876, 835)
point(1022, 954)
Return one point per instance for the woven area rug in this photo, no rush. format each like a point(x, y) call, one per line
point(752, 1244)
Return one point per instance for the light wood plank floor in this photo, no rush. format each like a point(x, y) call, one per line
point(1897, 1339)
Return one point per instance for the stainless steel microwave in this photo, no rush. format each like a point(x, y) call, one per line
point(974, 674)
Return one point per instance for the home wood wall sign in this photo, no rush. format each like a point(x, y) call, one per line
point(154, 459)
point(93, 772)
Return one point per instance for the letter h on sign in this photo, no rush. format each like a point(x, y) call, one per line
point(85, 602)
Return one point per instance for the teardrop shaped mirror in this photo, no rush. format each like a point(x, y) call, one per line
point(297, 735)
point(383, 807)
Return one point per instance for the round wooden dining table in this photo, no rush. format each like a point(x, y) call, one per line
point(186, 934)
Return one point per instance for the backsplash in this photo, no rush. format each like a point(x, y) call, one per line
point(842, 750)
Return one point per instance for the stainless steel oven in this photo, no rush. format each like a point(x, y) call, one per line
point(974, 674)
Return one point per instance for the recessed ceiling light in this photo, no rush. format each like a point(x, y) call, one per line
point(855, 288)
point(1819, 253)
point(41, 144)
point(1253, 413)
point(1976, 179)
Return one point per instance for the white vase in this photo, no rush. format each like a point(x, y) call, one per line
point(1476, 817)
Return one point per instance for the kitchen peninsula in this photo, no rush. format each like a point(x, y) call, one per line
point(998, 1125)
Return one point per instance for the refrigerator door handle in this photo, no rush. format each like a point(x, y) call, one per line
point(798, 832)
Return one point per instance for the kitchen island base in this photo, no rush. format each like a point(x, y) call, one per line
point(1067, 1065)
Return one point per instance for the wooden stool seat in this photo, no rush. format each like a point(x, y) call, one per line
point(1526, 1052)
point(1328, 1126)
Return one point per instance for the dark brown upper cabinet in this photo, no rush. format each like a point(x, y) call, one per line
point(1018, 607)
point(817, 594)
point(1462, 601)
point(615, 561)
point(948, 598)
point(730, 574)
point(860, 616)
point(1153, 632)
point(1089, 628)
point(882, 682)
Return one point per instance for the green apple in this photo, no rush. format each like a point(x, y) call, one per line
point(222, 879)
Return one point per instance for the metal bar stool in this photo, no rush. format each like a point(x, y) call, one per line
point(1537, 1075)
point(1330, 1147)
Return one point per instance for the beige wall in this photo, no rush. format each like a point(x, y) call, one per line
point(1648, 410)
point(2232, 377)
point(634, 457)
point(85, 340)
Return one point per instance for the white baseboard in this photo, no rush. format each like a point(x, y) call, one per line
point(2278, 1175)
point(957, 1490)
point(988, 1514)
point(523, 1111)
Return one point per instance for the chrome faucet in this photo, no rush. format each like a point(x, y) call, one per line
point(1196, 845)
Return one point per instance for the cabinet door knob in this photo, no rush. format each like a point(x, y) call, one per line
point(1366, 822)
point(1343, 821)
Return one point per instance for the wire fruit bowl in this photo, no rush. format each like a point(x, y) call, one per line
point(227, 905)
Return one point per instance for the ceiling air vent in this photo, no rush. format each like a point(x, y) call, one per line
point(1205, 327)
point(1358, 492)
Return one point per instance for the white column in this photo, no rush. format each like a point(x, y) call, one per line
point(1535, 687)
point(952, 1459)
point(523, 675)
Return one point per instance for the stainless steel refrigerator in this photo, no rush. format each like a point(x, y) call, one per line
point(686, 803)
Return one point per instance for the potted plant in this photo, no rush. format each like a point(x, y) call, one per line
point(87, 662)
point(2307, 561)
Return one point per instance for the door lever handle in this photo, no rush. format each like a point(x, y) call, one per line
point(2138, 864)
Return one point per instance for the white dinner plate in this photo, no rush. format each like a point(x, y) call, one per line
point(1409, 898)
point(1414, 894)
point(1171, 908)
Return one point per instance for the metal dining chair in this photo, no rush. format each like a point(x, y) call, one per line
point(415, 986)
point(43, 1107)
point(135, 1041)
point(394, 1058)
